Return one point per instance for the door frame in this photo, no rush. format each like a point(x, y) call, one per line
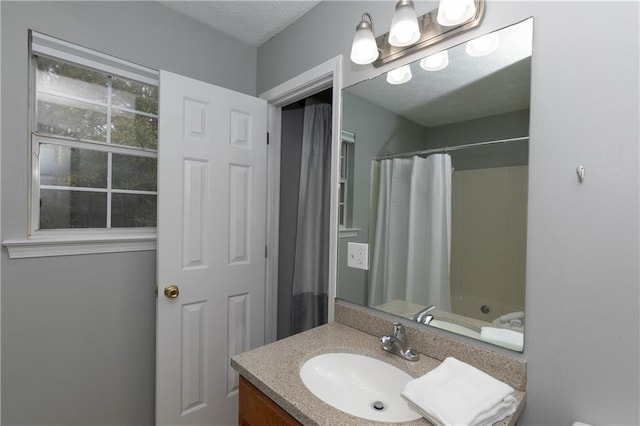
point(0, 258)
point(327, 74)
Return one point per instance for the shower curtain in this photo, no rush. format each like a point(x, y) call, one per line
point(411, 231)
point(311, 264)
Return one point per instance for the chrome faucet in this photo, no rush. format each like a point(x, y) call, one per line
point(423, 317)
point(395, 344)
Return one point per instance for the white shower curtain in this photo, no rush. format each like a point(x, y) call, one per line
point(411, 231)
point(311, 264)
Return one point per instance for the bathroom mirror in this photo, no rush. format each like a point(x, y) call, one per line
point(433, 188)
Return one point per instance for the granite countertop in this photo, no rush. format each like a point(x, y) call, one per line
point(274, 369)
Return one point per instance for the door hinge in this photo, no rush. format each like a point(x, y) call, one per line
point(267, 138)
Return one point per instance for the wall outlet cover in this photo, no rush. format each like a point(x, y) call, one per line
point(358, 255)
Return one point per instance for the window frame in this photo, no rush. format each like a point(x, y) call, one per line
point(347, 151)
point(37, 139)
point(71, 241)
point(343, 199)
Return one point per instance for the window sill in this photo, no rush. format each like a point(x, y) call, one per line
point(70, 246)
point(349, 232)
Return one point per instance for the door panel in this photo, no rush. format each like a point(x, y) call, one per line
point(194, 213)
point(211, 238)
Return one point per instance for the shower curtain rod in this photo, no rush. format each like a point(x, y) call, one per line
point(452, 148)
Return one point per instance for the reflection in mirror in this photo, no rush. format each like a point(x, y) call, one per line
point(436, 189)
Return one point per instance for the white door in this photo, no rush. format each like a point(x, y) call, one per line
point(211, 246)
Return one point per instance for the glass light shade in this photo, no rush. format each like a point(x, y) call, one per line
point(436, 62)
point(405, 30)
point(454, 12)
point(399, 75)
point(364, 49)
point(483, 46)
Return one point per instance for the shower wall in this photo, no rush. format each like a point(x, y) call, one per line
point(488, 241)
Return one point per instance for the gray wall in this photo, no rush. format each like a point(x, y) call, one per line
point(501, 126)
point(78, 332)
point(582, 299)
point(496, 127)
point(290, 150)
point(78, 340)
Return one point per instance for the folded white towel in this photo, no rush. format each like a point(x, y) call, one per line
point(509, 317)
point(504, 337)
point(457, 394)
point(515, 323)
point(512, 320)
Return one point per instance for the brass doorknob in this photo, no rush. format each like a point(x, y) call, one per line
point(171, 291)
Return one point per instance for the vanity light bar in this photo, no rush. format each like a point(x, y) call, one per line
point(431, 32)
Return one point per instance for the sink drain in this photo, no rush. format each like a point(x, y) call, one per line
point(378, 406)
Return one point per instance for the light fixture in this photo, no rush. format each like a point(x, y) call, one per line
point(409, 34)
point(399, 75)
point(455, 12)
point(436, 62)
point(405, 30)
point(364, 49)
point(483, 45)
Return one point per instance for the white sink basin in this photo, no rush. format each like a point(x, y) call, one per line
point(456, 328)
point(359, 385)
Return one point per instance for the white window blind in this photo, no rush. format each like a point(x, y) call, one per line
point(42, 44)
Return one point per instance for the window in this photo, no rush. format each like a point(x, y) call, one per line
point(346, 170)
point(94, 142)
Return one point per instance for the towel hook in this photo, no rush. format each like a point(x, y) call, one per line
point(580, 173)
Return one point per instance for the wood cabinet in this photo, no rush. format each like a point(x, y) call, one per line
point(257, 409)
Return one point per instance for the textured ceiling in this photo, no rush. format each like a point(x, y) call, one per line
point(251, 21)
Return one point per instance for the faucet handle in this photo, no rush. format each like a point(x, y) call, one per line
point(398, 331)
point(423, 315)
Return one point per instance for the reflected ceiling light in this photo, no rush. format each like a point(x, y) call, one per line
point(436, 62)
point(405, 30)
point(483, 45)
point(455, 12)
point(364, 49)
point(399, 75)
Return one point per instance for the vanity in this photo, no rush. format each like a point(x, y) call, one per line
point(272, 391)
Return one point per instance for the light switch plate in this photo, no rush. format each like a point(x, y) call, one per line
point(358, 255)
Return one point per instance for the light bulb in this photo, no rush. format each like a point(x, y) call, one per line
point(364, 49)
point(454, 12)
point(399, 75)
point(405, 30)
point(483, 45)
point(435, 62)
